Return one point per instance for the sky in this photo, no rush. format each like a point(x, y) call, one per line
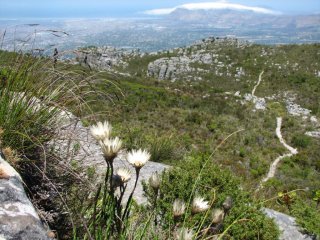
point(143, 8)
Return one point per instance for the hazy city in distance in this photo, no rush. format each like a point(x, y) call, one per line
point(154, 26)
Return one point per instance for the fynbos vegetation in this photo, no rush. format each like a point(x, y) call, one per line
point(236, 123)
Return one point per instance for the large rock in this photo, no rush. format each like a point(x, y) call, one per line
point(169, 68)
point(104, 58)
point(287, 225)
point(74, 143)
point(18, 217)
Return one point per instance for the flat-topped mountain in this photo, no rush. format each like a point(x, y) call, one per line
point(239, 19)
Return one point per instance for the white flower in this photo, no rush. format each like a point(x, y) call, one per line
point(124, 174)
point(217, 216)
point(101, 131)
point(138, 158)
point(154, 181)
point(199, 205)
point(178, 208)
point(184, 234)
point(110, 148)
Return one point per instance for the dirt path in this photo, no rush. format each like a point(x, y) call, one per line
point(258, 83)
point(274, 165)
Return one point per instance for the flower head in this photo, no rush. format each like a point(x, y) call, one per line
point(217, 216)
point(227, 204)
point(154, 181)
point(110, 148)
point(138, 158)
point(184, 234)
point(178, 208)
point(199, 205)
point(124, 174)
point(101, 131)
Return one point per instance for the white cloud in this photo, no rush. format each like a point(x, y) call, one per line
point(160, 11)
point(211, 6)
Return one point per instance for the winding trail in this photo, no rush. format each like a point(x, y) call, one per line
point(258, 83)
point(274, 165)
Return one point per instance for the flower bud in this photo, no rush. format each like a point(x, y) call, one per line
point(217, 216)
point(154, 181)
point(178, 208)
point(227, 204)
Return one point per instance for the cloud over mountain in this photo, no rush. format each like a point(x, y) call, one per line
point(220, 5)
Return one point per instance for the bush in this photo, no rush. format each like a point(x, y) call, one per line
point(301, 141)
point(194, 117)
point(245, 219)
point(307, 216)
point(161, 149)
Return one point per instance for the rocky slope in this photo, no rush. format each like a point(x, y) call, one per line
point(18, 217)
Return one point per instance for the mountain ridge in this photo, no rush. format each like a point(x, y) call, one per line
point(236, 18)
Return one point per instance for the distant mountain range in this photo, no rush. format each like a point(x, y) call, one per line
point(237, 19)
point(180, 27)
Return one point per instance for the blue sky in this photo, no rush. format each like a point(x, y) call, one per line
point(132, 8)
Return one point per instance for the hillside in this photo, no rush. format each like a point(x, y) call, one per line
point(186, 100)
point(209, 89)
point(183, 104)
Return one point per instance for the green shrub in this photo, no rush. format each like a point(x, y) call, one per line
point(212, 126)
point(301, 141)
point(307, 216)
point(194, 117)
point(162, 149)
point(245, 219)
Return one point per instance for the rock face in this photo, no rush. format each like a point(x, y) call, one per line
point(287, 225)
point(169, 68)
point(104, 58)
point(75, 143)
point(18, 217)
point(197, 58)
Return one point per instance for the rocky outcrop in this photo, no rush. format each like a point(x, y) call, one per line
point(315, 134)
point(104, 58)
point(294, 108)
point(259, 103)
point(169, 68)
point(287, 225)
point(197, 58)
point(18, 217)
